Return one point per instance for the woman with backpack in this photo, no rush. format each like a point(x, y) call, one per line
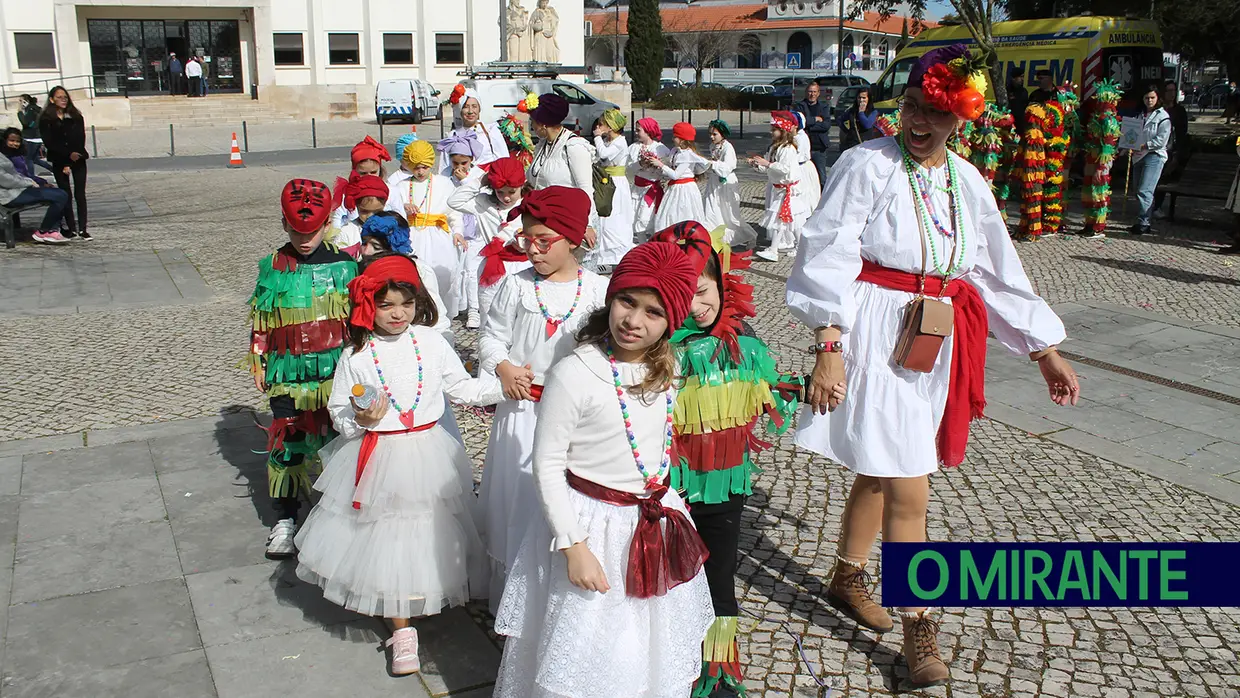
point(562, 158)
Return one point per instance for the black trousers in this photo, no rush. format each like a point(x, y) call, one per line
point(719, 525)
point(282, 407)
point(77, 193)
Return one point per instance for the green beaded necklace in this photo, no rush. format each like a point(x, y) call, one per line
point(923, 213)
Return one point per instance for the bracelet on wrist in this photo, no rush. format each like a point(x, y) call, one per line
point(835, 347)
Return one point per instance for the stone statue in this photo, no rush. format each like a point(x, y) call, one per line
point(543, 24)
point(517, 22)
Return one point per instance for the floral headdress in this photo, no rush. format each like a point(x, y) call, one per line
point(529, 104)
point(518, 141)
point(953, 80)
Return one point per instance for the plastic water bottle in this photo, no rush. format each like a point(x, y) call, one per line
point(364, 396)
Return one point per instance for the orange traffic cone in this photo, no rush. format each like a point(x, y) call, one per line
point(234, 155)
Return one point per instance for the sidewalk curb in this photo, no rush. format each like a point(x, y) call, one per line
point(119, 435)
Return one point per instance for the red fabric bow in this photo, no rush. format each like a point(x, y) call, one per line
point(494, 255)
point(505, 172)
point(363, 287)
point(563, 209)
point(966, 394)
point(369, 149)
point(654, 192)
point(659, 560)
point(662, 267)
point(358, 186)
point(370, 440)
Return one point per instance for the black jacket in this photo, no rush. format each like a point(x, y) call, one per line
point(62, 137)
point(819, 132)
point(29, 118)
point(1018, 100)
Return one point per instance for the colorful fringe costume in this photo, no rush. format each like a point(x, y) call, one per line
point(731, 382)
point(1056, 155)
point(299, 323)
point(1031, 171)
point(888, 124)
point(985, 143)
point(1101, 137)
point(1005, 126)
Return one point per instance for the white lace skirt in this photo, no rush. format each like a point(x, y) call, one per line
point(508, 497)
point(563, 641)
point(412, 548)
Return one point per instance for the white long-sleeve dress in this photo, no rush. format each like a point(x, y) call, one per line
point(515, 330)
point(566, 162)
point(784, 176)
point(401, 541)
point(432, 243)
point(475, 198)
point(721, 203)
point(563, 641)
point(682, 202)
point(886, 426)
point(811, 188)
point(615, 232)
point(643, 211)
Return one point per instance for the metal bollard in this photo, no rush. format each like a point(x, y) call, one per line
point(314, 133)
point(172, 142)
point(741, 130)
point(633, 124)
point(690, 115)
point(245, 137)
point(643, 111)
point(441, 122)
point(381, 131)
point(94, 140)
point(716, 112)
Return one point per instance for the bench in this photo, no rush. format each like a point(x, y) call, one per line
point(1207, 176)
point(9, 220)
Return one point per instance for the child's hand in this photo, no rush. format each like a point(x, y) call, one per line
point(410, 210)
point(459, 241)
point(516, 380)
point(584, 570)
point(759, 162)
point(259, 382)
point(591, 237)
point(372, 415)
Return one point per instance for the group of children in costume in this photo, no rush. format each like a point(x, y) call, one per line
point(605, 528)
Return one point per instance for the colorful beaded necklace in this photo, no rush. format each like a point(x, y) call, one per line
point(924, 212)
point(553, 323)
point(652, 481)
point(406, 416)
point(430, 186)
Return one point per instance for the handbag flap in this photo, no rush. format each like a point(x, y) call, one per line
point(936, 318)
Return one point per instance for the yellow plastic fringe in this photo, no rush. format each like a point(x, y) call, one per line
point(288, 480)
point(333, 305)
point(253, 363)
point(310, 395)
point(720, 643)
point(703, 407)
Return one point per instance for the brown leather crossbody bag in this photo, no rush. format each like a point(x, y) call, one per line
point(926, 322)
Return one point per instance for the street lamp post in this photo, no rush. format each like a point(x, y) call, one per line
point(839, 42)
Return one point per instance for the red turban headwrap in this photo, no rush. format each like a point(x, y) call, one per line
point(369, 149)
point(306, 204)
point(651, 127)
point(563, 209)
point(359, 186)
point(376, 275)
point(662, 267)
point(505, 172)
point(684, 131)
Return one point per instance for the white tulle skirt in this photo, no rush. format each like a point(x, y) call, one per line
point(565, 642)
point(508, 496)
point(412, 548)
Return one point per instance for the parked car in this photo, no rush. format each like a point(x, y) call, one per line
point(790, 87)
point(833, 87)
point(499, 96)
point(411, 99)
point(669, 84)
point(846, 98)
point(758, 89)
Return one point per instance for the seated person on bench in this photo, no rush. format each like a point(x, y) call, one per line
point(19, 187)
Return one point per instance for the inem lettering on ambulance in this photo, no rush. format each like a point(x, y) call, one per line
point(1060, 574)
point(1061, 69)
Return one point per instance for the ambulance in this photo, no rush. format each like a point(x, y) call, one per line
point(1083, 50)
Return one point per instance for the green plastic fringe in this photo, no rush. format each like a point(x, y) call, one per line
point(285, 480)
point(297, 368)
point(299, 288)
point(333, 305)
point(714, 486)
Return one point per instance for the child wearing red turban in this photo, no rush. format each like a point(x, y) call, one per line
point(682, 200)
point(358, 198)
point(786, 209)
point(645, 165)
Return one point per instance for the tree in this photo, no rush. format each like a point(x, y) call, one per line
point(1202, 29)
point(643, 52)
point(950, 19)
point(700, 46)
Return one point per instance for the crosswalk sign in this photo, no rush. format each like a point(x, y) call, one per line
point(793, 61)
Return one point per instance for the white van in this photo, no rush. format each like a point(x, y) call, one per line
point(410, 99)
point(499, 96)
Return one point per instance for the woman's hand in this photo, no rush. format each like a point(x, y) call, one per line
point(1060, 379)
point(75, 157)
point(590, 238)
point(757, 161)
point(827, 387)
point(65, 170)
point(515, 380)
point(371, 416)
point(584, 570)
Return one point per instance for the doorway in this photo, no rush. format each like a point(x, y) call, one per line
point(177, 44)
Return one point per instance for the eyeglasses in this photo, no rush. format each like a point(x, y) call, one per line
point(911, 108)
point(540, 244)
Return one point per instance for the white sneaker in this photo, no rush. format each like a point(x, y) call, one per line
point(770, 254)
point(473, 321)
point(404, 644)
point(280, 540)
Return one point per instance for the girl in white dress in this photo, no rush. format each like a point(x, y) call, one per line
point(404, 170)
point(811, 188)
point(366, 158)
point(615, 234)
point(899, 213)
point(682, 200)
point(393, 534)
point(529, 327)
point(645, 166)
point(461, 151)
point(435, 230)
point(785, 208)
point(585, 615)
point(721, 205)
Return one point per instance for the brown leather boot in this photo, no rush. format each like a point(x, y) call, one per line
point(849, 593)
point(921, 651)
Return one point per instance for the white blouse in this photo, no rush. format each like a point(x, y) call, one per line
point(785, 168)
point(684, 164)
point(722, 161)
point(637, 168)
point(515, 328)
point(803, 148)
point(474, 197)
point(613, 154)
point(489, 137)
point(430, 196)
point(566, 162)
point(580, 428)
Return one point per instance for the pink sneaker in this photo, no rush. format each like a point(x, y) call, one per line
point(49, 237)
point(404, 644)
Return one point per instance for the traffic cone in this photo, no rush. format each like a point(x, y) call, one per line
point(234, 155)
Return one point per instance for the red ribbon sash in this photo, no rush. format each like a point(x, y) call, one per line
point(683, 180)
point(658, 560)
point(536, 392)
point(785, 206)
point(966, 391)
point(494, 255)
point(369, 441)
point(654, 194)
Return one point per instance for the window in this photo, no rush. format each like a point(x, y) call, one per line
point(398, 49)
point(572, 95)
point(449, 48)
point(289, 49)
point(34, 51)
point(342, 49)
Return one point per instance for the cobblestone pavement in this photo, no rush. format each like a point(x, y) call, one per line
point(127, 366)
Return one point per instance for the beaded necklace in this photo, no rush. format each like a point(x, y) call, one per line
point(430, 185)
point(652, 481)
point(554, 323)
point(926, 216)
point(406, 416)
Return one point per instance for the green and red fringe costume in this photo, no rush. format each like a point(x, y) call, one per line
point(299, 315)
point(730, 384)
point(1101, 145)
point(1030, 171)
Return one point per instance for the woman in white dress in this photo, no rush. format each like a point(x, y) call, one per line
point(682, 200)
point(646, 174)
point(811, 188)
point(562, 159)
point(467, 118)
point(721, 205)
point(859, 263)
point(615, 232)
point(785, 208)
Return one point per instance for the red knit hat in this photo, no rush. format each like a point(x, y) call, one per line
point(369, 149)
point(306, 204)
point(684, 132)
point(505, 172)
point(663, 268)
point(563, 209)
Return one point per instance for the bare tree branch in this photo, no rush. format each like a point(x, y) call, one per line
point(701, 45)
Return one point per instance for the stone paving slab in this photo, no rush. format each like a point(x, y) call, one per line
point(80, 282)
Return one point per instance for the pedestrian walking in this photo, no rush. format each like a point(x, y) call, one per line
point(64, 137)
point(785, 208)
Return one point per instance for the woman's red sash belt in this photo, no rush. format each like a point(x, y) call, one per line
point(658, 560)
point(371, 439)
point(494, 255)
point(654, 193)
point(966, 391)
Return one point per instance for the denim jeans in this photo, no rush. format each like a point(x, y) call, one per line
point(56, 200)
point(1145, 174)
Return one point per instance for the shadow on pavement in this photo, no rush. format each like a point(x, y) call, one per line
point(1160, 271)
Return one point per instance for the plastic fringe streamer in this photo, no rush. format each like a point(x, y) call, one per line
point(309, 395)
point(720, 659)
point(1031, 171)
point(1101, 135)
point(288, 479)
